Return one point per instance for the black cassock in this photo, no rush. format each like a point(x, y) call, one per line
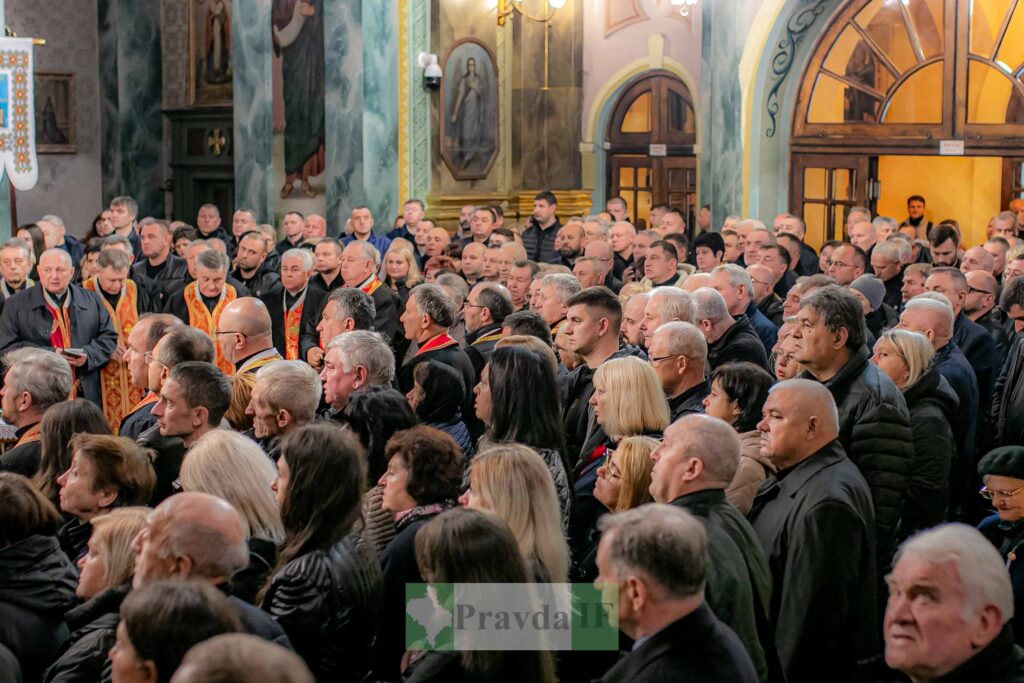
point(27, 322)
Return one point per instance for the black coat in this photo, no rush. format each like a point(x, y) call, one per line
point(809, 263)
point(27, 322)
point(994, 322)
point(697, 648)
point(37, 586)
point(739, 343)
point(739, 583)
point(817, 527)
point(771, 308)
point(23, 459)
point(245, 584)
point(398, 563)
point(1008, 398)
point(135, 423)
point(93, 626)
point(327, 601)
point(1008, 538)
point(480, 350)
point(1001, 661)
point(262, 282)
point(312, 309)
point(874, 430)
point(977, 345)
point(170, 277)
point(174, 301)
point(170, 451)
point(933, 408)
point(451, 356)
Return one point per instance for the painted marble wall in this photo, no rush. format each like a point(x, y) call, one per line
point(724, 24)
point(251, 64)
point(69, 184)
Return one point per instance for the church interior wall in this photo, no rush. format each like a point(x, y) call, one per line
point(69, 184)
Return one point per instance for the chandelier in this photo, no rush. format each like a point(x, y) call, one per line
point(685, 6)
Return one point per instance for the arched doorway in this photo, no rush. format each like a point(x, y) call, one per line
point(887, 81)
point(651, 137)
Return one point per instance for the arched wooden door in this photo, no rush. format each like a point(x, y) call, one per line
point(651, 136)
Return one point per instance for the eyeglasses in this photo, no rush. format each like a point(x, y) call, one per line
point(153, 359)
point(838, 264)
point(469, 305)
point(975, 290)
point(988, 494)
point(220, 332)
point(612, 470)
point(764, 284)
point(658, 359)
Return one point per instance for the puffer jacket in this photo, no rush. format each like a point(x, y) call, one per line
point(934, 407)
point(327, 602)
point(93, 627)
point(753, 470)
point(37, 586)
point(874, 430)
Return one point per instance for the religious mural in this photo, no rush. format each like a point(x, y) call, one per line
point(469, 131)
point(299, 129)
point(55, 113)
point(210, 51)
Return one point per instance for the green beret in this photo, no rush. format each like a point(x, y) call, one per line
point(1006, 461)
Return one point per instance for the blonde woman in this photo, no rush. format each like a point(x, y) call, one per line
point(623, 483)
point(906, 357)
point(105, 578)
point(627, 401)
point(401, 272)
point(513, 482)
point(231, 466)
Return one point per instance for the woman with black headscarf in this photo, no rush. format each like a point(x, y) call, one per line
point(436, 397)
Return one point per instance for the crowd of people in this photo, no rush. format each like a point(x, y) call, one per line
point(232, 453)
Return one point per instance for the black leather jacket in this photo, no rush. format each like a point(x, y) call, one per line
point(328, 603)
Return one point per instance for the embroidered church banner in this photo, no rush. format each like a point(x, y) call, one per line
point(17, 113)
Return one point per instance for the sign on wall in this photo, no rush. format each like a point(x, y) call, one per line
point(17, 113)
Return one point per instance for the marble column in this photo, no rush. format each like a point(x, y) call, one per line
point(130, 101)
point(251, 63)
point(380, 110)
point(724, 23)
point(418, 120)
point(343, 108)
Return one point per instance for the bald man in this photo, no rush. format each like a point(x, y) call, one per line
point(622, 236)
point(980, 307)
point(695, 281)
point(472, 263)
point(763, 294)
point(437, 240)
point(931, 315)
point(244, 335)
point(823, 591)
point(359, 264)
point(693, 466)
point(198, 537)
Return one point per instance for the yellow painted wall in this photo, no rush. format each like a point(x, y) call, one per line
point(963, 188)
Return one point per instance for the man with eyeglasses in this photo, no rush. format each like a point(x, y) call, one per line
point(763, 294)
point(141, 342)
point(846, 264)
point(243, 335)
point(679, 356)
point(980, 306)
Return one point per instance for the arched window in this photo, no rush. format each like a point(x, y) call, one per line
point(899, 72)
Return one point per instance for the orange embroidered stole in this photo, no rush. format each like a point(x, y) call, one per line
point(60, 332)
point(33, 434)
point(292, 325)
point(118, 393)
point(200, 317)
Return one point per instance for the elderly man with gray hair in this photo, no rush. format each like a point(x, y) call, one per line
point(679, 356)
point(199, 537)
point(657, 555)
point(55, 234)
point(693, 465)
point(59, 315)
point(950, 609)
point(729, 339)
point(355, 359)
point(35, 380)
point(816, 524)
point(428, 315)
point(555, 291)
point(665, 304)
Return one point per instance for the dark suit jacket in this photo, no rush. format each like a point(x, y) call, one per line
point(697, 648)
point(312, 308)
point(27, 322)
point(137, 422)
